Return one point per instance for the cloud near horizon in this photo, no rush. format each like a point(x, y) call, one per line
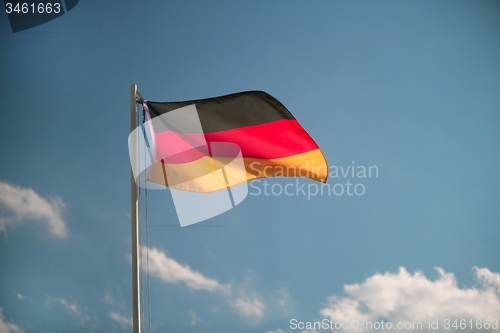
point(73, 308)
point(124, 321)
point(249, 305)
point(171, 271)
point(406, 297)
point(24, 204)
point(8, 327)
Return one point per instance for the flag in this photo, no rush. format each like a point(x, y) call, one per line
point(247, 135)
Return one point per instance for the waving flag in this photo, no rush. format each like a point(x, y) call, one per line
point(249, 135)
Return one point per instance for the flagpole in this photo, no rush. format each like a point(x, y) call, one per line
point(136, 319)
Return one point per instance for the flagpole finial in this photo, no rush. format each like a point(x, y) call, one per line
point(139, 99)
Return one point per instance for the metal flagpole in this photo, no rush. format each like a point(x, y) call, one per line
point(135, 226)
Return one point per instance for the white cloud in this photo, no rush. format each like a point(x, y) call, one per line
point(123, 320)
point(115, 300)
point(405, 297)
point(487, 278)
point(170, 270)
point(72, 308)
point(284, 301)
point(247, 303)
point(26, 204)
point(8, 327)
point(108, 298)
point(195, 320)
point(249, 306)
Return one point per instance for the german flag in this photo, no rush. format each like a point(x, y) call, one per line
point(252, 127)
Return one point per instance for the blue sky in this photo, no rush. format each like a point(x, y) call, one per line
point(410, 87)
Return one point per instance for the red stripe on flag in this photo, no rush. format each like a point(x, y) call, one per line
point(273, 140)
point(278, 139)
